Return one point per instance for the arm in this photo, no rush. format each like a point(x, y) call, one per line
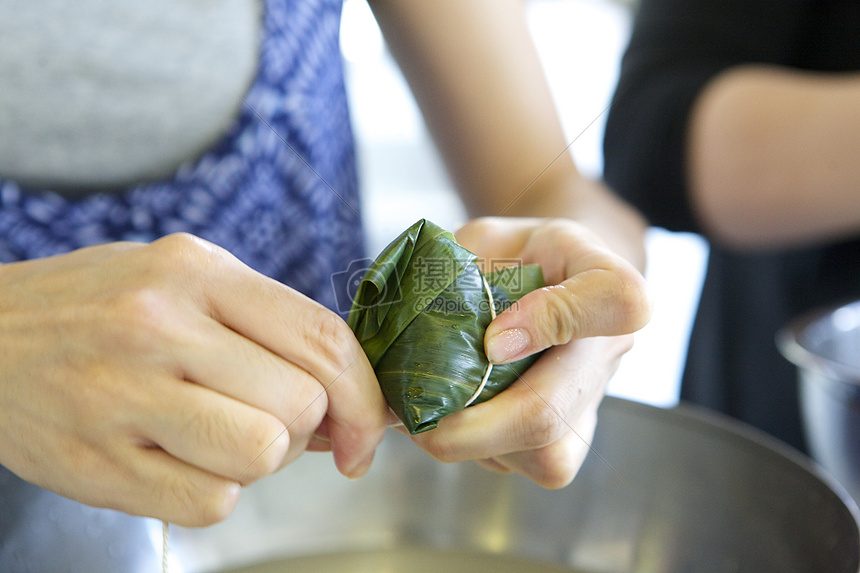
point(476, 76)
point(479, 83)
point(774, 156)
point(715, 130)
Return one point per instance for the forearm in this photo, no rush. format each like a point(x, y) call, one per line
point(477, 78)
point(459, 59)
point(773, 157)
point(475, 74)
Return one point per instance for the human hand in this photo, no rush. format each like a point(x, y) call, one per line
point(542, 425)
point(158, 379)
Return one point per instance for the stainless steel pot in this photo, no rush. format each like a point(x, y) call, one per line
point(671, 491)
point(41, 532)
point(825, 346)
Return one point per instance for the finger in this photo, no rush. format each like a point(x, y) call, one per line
point(606, 301)
point(217, 434)
point(357, 419)
point(355, 409)
point(233, 365)
point(320, 441)
point(145, 480)
point(556, 465)
point(515, 420)
point(283, 320)
point(595, 292)
point(259, 308)
point(536, 410)
point(302, 332)
point(166, 488)
point(191, 346)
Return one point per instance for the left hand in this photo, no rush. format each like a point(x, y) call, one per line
point(542, 425)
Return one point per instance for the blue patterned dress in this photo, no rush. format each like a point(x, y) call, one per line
point(279, 190)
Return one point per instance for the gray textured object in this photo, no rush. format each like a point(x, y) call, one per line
point(41, 532)
point(672, 491)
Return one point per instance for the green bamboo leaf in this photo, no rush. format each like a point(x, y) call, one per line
point(420, 314)
point(389, 296)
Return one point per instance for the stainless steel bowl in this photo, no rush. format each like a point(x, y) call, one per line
point(670, 491)
point(41, 532)
point(825, 346)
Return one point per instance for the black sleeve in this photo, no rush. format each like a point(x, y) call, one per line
point(676, 48)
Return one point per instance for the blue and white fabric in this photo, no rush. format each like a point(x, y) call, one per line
point(279, 190)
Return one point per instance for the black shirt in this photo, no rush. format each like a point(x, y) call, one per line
point(677, 47)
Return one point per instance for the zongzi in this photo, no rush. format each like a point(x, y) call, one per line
point(420, 313)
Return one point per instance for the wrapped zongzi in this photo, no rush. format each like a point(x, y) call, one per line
point(420, 313)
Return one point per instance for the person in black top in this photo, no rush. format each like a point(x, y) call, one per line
point(740, 120)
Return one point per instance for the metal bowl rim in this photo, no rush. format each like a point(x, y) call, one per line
point(788, 341)
point(702, 417)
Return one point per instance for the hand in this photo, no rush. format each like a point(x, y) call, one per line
point(542, 425)
point(158, 379)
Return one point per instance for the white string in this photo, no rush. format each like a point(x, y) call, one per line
point(483, 383)
point(165, 542)
point(489, 365)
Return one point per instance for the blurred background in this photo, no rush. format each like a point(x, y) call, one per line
point(580, 43)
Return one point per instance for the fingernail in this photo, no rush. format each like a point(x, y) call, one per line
point(359, 469)
point(507, 345)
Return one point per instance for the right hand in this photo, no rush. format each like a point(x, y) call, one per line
point(158, 379)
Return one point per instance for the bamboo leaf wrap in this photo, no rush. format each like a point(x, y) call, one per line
point(420, 314)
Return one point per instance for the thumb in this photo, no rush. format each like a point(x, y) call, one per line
point(596, 302)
